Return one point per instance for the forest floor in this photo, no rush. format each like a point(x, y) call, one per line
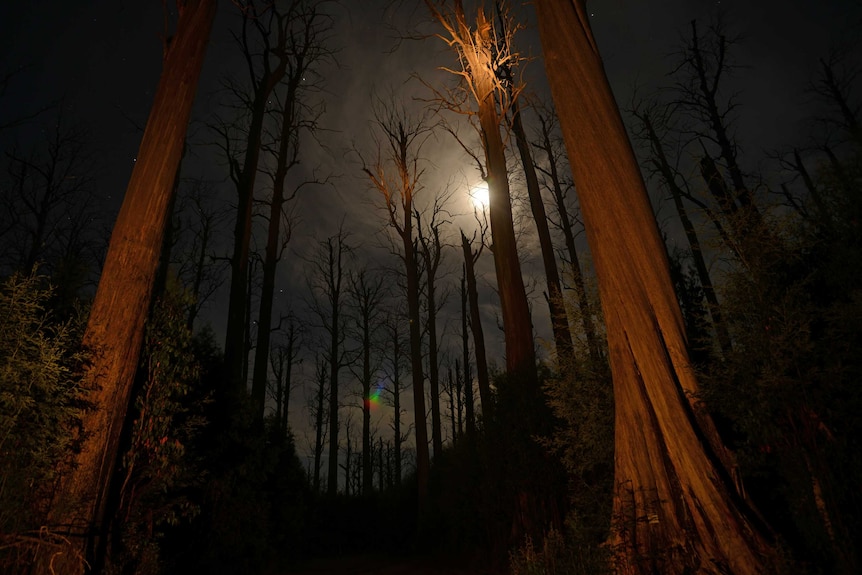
point(382, 565)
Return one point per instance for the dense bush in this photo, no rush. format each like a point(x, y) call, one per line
point(40, 402)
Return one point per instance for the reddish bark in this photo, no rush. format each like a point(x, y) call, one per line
point(675, 508)
point(116, 325)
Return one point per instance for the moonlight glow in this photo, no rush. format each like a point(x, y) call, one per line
point(479, 195)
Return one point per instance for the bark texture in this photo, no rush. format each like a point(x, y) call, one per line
point(675, 510)
point(116, 325)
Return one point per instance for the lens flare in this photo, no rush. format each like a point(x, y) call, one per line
point(373, 399)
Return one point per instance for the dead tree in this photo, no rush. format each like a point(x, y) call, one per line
point(327, 285)
point(431, 250)
point(472, 293)
point(265, 52)
point(302, 29)
point(318, 412)
point(394, 354)
point(662, 167)
point(399, 139)
point(565, 224)
point(482, 51)
point(285, 353)
point(366, 296)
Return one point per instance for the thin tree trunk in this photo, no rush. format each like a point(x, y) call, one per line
point(396, 401)
point(423, 459)
point(401, 135)
point(335, 267)
point(246, 327)
point(285, 159)
point(116, 324)
point(663, 166)
point(675, 507)
point(199, 275)
point(431, 251)
point(569, 237)
point(454, 390)
point(320, 366)
point(478, 334)
point(367, 472)
point(284, 422)
point(556, 304)
point(235, 350)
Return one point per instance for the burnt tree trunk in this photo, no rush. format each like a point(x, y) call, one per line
point(556, 304)
point(579, 285)
point(478, 334)
point(479, 50)
point(662, 165)
point(432, 250)
point(320, 398)
point(402, 140)
point(264, 82)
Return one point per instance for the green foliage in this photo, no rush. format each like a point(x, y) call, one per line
point(41, 398)
point(158, 472)
point(493, 490)
point(254, 506)
point(788, 396)
point(582, 401)
point(558, 556)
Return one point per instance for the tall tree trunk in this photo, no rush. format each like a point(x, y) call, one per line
point(320, 369)
point(453, 390)
point(235, 349)
point(366, 295)
point(675, 506)
point(556, 304)
point(284, 421)
point(246, 326)
point(478, 334)
point(286, 158)
point(278, 375)
point(568, 235)
point(380, 467)
point(431, 252)
point(423, 458)
point(367, 471)
point(197, 282)
point(520, 353)
point(400, 138)
point(116, 324)
point(465, 352)
point(663, 166)
point(478, 49)
point(335, 255)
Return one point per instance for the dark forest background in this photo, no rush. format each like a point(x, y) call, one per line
point(293, 434)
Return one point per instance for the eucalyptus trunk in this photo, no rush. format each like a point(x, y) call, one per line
point(675, 505)
point(115, 328)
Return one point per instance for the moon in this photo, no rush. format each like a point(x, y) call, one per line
point(479, 195)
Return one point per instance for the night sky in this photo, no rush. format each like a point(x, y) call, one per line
point(100, 61)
